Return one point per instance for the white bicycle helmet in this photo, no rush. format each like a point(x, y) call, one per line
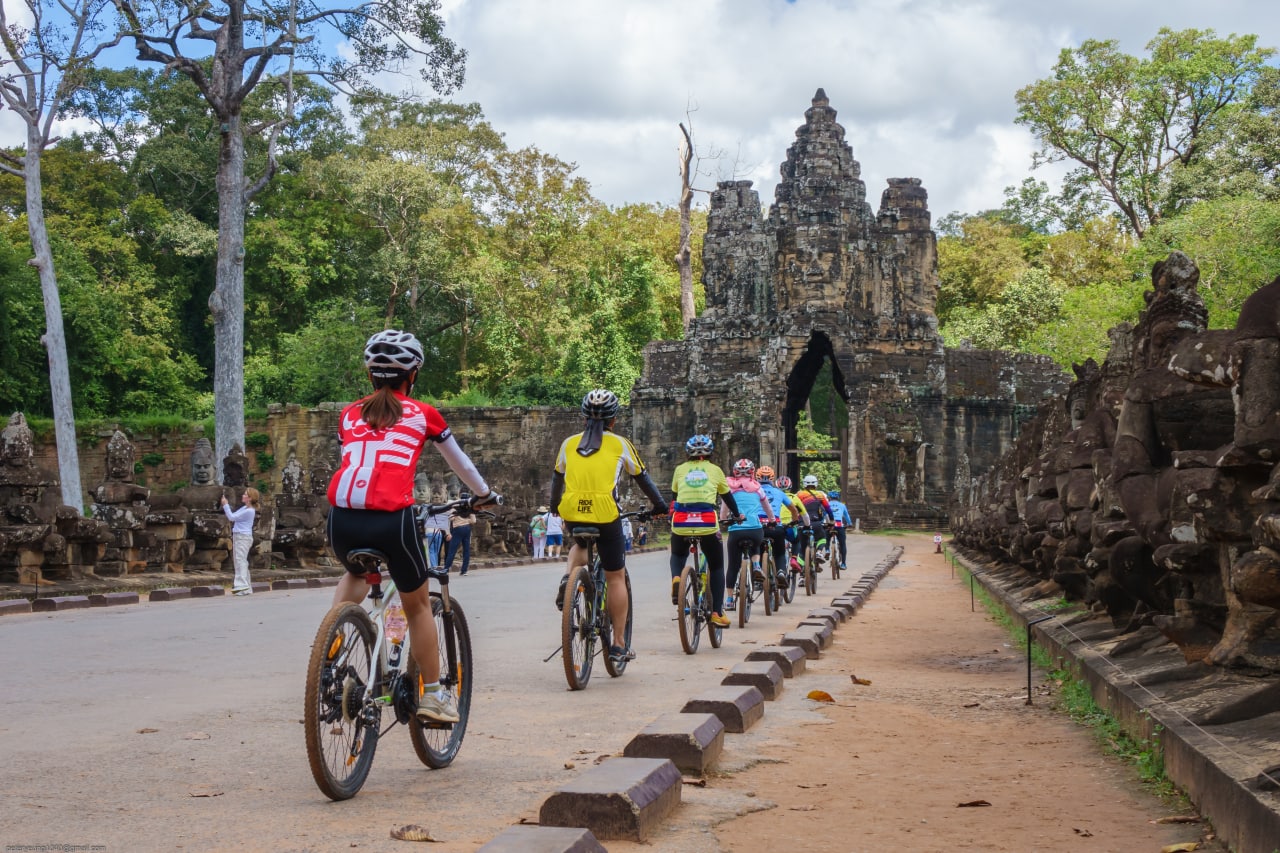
point(810, 481)
point(391, 353)
point(600, 405)
point(700, 445)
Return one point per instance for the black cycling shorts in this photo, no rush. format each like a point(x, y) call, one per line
point(393, 533)
point(611, 546)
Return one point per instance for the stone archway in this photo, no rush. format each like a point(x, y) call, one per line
point(801, 382)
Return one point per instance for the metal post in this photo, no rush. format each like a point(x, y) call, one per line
point(971, 605)
point(1029, 624)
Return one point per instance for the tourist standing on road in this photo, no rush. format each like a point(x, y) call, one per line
point(242, 538)
point(584, 491)
point(538, 530)
point(436, 529)
point(697, 484)
point(459, 538)
point(555, 533)
point(371, 496)
point(627, 533)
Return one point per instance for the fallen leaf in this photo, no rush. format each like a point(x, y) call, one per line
point(569, 765)
point(205, 792)
point(974, 705)
point(863, 681)
point(697, 783)
point(528, 821)
point(196, 736)
point(1083, 833)
point(803, 808)
point(411, 832)
point(1184, 847)
point(972, 804)
point(600, 758)
point(819, 785)
point(819, 696)
point(147, 731)
point(1178, 818)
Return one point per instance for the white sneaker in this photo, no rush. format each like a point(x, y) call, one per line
point(439, 706)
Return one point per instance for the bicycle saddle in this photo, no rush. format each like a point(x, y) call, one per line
point(367, 558)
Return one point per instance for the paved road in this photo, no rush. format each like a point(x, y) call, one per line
point(220, 680)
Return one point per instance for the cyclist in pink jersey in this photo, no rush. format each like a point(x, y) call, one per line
point(371, 496)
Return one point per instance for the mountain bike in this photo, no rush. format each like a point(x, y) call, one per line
point(584, 619)
point(753, 585)
point(788, 579)
point(693, 602)
point(809, 557)
point(361, 663)
point(833, 558)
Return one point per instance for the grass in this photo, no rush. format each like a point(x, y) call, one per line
point(1075, 699)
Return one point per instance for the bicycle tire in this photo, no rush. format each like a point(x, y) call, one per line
point(437, 744)
point(834, 551)
point(766, 566)
point(714, 632)
point(810, 576)
point(577, 626)
point(615, 668)
point(789, 589)
point(688, 612)
point(340, 741)
point(744, 589)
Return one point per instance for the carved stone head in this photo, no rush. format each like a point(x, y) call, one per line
point(202, 463)
point(120, 458)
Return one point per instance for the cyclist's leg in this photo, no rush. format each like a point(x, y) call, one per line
point(777, 541)
point(713, 548)
point(347, 529)
point(679, 554)
point(731, 571)
point(843, 543)
point(611, 549)
point(424, 644)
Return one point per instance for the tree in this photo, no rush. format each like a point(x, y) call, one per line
point(683, 251)
point(1131, 124)
point(45, 62)
point(256, 42)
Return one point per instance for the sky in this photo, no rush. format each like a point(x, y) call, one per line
point(923, 88)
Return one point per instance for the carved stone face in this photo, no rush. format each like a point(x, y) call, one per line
point(119, 458)
point(202, 463)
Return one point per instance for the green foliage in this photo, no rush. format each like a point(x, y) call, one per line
point(266, 461)
point(1026, 303)
point(807, 438)
point(256, 439)
point(152, 458)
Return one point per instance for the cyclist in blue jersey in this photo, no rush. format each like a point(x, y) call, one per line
point(786, 508)
point(755, 509)
point(840, 514)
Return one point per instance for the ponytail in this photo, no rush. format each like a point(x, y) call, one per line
point(382, 408)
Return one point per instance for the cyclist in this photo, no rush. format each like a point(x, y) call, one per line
point(696, 485)
point(840, 513)
point(788, 509)
point(816, 502)
point(797, 536)
point(371, 496)
point(754, 506)
point(584, 492)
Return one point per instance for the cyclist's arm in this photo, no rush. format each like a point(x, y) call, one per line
point(650, 490)
point(727, 497)
point(462, 465)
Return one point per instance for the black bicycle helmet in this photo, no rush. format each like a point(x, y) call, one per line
point(600, 405)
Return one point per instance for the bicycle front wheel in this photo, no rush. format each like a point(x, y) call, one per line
point(810, 576)
point(688, 612)
point(437, 744)
point(611, 666)
point(744, 590)
point(342, 731)
point(577, 625)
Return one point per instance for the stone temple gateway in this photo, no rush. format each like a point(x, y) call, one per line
point(824, 280)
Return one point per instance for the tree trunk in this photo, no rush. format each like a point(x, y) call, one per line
point(683, 256)
point(55, 338)
point(226, 303)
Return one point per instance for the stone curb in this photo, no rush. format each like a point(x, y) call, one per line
point(208, 591)
point(111, 599)
point(764, 675)
point(286, 583)
point(14, 605)
point(804, 639)
point(315, 583)
point(838, 614)
point(173, 593)
point(739, 708)
point(544, 839)
point(1241, 817)
point(60, 603)
point(822, 628)
point(622, 798)
point(692, 742)
point(792, 660)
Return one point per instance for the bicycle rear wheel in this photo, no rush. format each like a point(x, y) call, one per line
point(615, 668)
point(577, 624)
point(342, 732)
point(770, 588)
point(744, 589)
point(834, 551)
point(789, 589)
point(688, 612)
point(810, 576)
point(437, 744)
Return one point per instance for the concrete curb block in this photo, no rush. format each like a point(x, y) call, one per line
point(821, 627)
point(59, 603)
point(110, 599)
point(288, 583)
point(14, 605)
point(622, 798)
point(692, 742)
point(173, 593)
point(792, 660)
point(208, 591)
point(544, 839)
point(260, 586)
point(804, 639)
point(315, 583)
point(739, 708)
point(764, 675)
point(836, 614)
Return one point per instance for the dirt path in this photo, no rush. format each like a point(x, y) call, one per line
point(943, 722)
